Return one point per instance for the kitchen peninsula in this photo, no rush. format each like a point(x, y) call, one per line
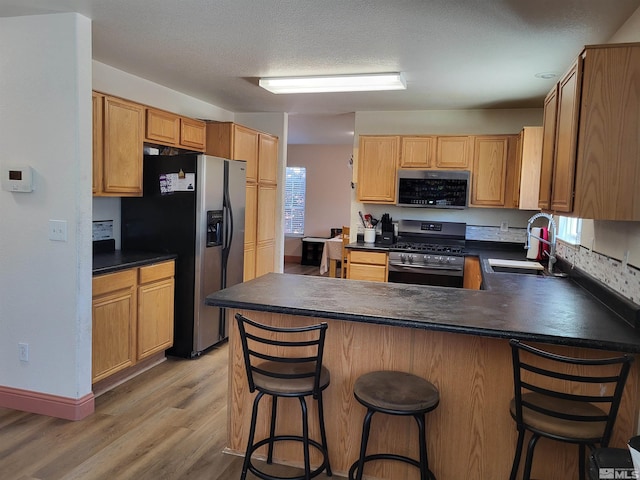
point(456, 338)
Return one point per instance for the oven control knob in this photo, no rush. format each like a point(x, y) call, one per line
point(425, 259)
point(447, 260)
point(403, 258)
point(410, 258)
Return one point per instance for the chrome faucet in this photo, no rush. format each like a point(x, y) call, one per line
point(552, 237)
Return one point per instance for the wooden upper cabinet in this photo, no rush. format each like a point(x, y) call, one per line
point(548, 148)
point(98, 140)
point(418, 152)
point(162, 127)
point(230, 140)
point(453, 152)
point(529, 162)
point(193, 134)
point(377, 168)
point(268, 159)
point(167, 128)
point(569, 89)
point(489, 178)
point(608, 159)
point(123, 141)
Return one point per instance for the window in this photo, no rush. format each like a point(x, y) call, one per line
point(569, 229)
point(294, 199)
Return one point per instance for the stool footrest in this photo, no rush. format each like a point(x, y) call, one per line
point(290, 438)
point(388, 456)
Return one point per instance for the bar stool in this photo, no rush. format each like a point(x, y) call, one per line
point(542, 406)
point(394, 393)
point(295, 371)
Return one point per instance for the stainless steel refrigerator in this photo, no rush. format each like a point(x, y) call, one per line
point(194, 206)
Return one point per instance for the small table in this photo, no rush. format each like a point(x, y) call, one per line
point(331, 253)
point(312, 248)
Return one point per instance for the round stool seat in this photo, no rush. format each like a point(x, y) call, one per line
point(396, 392)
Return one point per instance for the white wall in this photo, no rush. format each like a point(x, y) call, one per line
point(45, 122)
point(482, 122)
point(328, 190)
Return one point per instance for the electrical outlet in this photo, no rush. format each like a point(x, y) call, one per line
point(23, 352)
point(58, 230)
point(504, 226)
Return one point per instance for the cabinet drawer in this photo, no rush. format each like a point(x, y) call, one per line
point(158, 271)
point(371, 258)
point(114, 281)
point(372, 273)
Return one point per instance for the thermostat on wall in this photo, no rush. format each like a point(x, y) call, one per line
point(17, 179)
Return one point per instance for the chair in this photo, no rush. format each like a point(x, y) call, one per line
point(284, 362)
point(346, 239)
point(394, 393)
point(542, 405)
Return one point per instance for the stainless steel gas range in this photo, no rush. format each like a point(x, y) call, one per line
point(428, 253)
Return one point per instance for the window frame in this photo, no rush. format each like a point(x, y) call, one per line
point(289, 207)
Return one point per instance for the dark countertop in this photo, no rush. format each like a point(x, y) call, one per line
point(110, 262)
point(527, 307)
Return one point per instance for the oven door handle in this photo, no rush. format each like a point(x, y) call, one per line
point(404, 266)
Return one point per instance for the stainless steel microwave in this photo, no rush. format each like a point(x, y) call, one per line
point(433, 188)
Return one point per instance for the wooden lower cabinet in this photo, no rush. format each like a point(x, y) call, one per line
point(155, 309)
point(470, 435)
point(114, 315)
point(367, 265)
point(132, 317)
point(472, 273)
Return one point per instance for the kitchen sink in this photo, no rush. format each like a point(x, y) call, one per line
point(498, 265)
point(522, 271)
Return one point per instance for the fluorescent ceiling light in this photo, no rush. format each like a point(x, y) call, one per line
point(335, 83)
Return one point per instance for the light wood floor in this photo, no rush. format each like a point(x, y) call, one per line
point(167, 423)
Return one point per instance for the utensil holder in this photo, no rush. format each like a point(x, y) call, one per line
point(369, 235)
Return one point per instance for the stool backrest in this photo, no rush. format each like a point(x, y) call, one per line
point(561, 377)
point(284, 347)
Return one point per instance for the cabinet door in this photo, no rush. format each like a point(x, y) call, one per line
point(251, 218)
point(113, 320)
point(98, 140)
point(548, 148)
point(266, 229)
point(265, 258)
point(155, 317)
point(453, 152)
point(123, 139)
point(162, 127)
point(472, 273)
point(193, 134)
point(530, 153)
point(489, 171)
point(608, 159)
point(268, 159)
point(266, 219)
point(418, 152)
point(566, 139)
point(377, 169)
point(245, 147)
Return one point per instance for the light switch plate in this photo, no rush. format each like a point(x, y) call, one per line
point(58, 230)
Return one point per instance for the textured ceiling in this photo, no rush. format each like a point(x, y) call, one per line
point(454, 53)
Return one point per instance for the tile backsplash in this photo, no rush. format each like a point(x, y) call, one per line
point(494, 234)
point(624, 279)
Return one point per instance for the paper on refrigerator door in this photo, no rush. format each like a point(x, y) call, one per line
point(174, 182)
